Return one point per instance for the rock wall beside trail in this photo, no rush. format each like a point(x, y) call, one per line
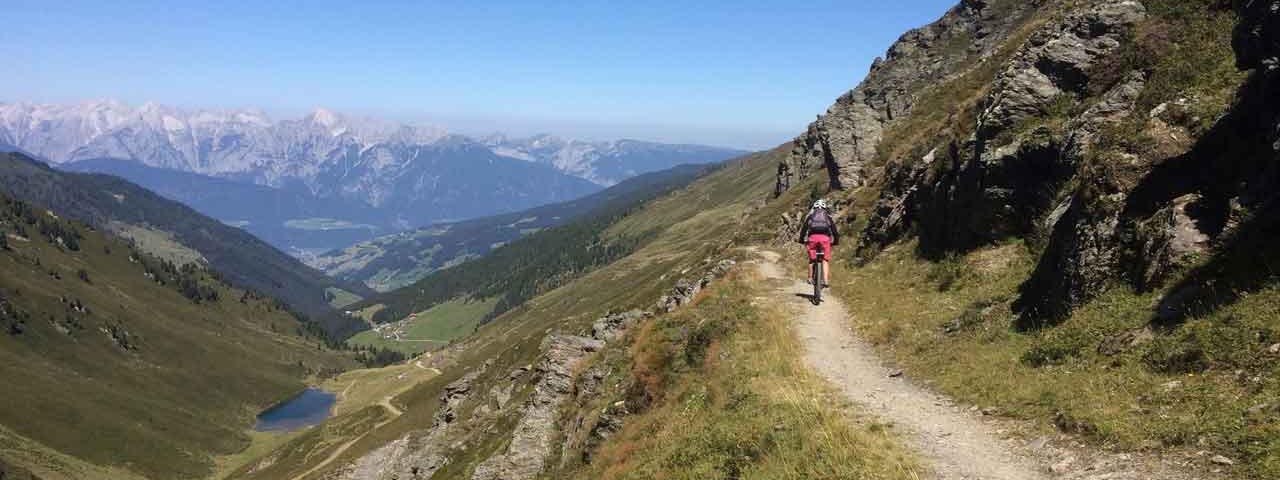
point(846, 138)
point(1042, 162)
point(1005, 179)
point(1151, 217)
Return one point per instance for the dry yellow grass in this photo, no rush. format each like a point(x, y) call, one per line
point(735, 399)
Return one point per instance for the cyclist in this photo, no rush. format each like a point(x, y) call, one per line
point(819, 230)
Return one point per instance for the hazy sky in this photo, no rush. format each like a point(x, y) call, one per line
point(748, 74)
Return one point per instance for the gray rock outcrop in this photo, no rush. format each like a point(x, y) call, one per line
point(539, 437)
point(687, 289)
point(1168, 240)
point(610, 327)
point(1056, 61)
point(1139, 222)
point(531, 442)
point(847, 137)
point(417, 455)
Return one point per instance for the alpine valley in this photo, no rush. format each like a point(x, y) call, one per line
point(1059, 261)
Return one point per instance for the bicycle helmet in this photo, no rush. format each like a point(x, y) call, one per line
point(821, 203)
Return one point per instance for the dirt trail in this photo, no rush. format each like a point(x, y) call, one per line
point(957, 443)
point(386, 404)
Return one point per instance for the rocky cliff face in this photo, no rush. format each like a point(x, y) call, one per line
point(1113, 165)
point(1004, 178)
point(1164, 213)
point(846, 138)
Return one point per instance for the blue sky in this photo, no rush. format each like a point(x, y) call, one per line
point(749, 74)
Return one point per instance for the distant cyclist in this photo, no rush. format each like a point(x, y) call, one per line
point(819, 230)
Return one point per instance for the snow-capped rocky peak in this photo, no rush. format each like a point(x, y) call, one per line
point(229, 119)
point(604, 163)
point(251, 117)
point(332, 122)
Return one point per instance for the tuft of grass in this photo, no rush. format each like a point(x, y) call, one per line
point(950, 272)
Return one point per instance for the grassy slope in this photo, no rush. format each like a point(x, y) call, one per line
point(1203, 385)
point(756, 417)
point(244, 260)
point(339, 298)
point(193, 381)
point(529, 266)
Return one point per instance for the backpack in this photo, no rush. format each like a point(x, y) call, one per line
point(820, 221)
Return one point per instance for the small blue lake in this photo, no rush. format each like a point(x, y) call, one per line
point(308, 408)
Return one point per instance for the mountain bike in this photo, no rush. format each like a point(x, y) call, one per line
point(817, 276)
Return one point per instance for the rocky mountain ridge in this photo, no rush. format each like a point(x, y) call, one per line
point(247, 144)
point(421, 173)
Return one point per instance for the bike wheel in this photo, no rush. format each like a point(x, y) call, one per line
point(817, 283)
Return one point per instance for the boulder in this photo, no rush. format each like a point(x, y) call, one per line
point(1126, 341)
point(1168, 240)
point(609, 327)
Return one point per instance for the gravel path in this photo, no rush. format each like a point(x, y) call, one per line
point(957, 443)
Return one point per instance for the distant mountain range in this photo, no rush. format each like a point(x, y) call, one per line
point(385, 175)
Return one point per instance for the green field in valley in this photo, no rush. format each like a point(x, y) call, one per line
point(427, 330)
